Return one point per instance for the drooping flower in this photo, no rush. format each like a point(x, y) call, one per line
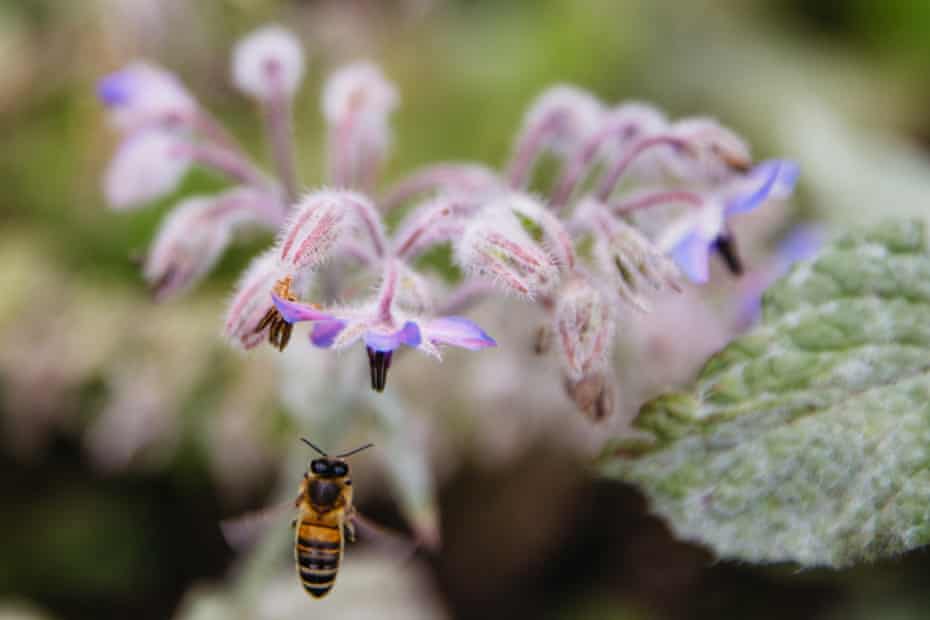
point(382, 328)
point(690, 239)
point(142, 94)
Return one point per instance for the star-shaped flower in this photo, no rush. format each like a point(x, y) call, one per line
point(383, 334)
point(690, 240)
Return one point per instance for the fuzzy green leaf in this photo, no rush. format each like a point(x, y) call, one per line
point(806, 440)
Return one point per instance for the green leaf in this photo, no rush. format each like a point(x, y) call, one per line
point(806, 440)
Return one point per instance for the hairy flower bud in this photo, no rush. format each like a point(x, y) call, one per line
point(560, 120)
point(628, 123)
point(566, 114)
point(359, 88)
point(714, 152)
point(593, 394)
point(626, 256)
point(315, 226)
point(252, 301)
point(195, 234)
point(496, 246)
point(142, 94)
point(583, 327)
point(147, 166)
point(357, 101)
point(267, 61)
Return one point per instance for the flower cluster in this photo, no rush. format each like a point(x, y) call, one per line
point(574, 250)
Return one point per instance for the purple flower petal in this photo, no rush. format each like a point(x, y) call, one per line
point(458, 332)
point(409, 335)
point(294, 312)
point(115, 89)
point(691, 255)
point(777, 178)
point(325, 332)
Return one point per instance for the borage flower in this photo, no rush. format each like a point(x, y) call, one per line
point(382, 329)
point(690, 240)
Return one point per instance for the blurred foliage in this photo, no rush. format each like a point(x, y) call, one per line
point(843, 87)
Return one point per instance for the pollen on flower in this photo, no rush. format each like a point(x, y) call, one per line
point(252, 301)
point(279, 329)
point(267, 61)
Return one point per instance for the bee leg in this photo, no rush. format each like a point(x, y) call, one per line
point(350, 531)
point(293, 523)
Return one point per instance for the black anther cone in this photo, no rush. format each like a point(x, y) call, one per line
point(726, 245)
point(380, 363)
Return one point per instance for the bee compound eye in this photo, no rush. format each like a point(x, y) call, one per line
point(319, 466)
point(340, 469)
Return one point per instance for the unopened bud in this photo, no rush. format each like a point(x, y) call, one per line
point(628, 123)
point(583, 327)
point(268, 61)
point(629, 259)
point(358, 89)
point(315, 227)
point(195, 234)
point(142, 94)
point(566, 115)
point(713, 154)
point(593, 394)
point(357, 101)
point(495, 245)
point(147, 166)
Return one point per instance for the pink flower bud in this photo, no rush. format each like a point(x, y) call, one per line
point(252, 301)
point(143, 95)
point(312, 231)
point(560, 120)
point(496, 246)
point(570, 115)
point(626, 257)
point(195, 234)
point(630, 122)
point(147, 166)
point(357, 101)
point(593, 394)
point(359, 88)
point(714, 152)
point(583, 327)
point(268, 61)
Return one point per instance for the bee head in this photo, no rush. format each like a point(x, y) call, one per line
point(331, 466)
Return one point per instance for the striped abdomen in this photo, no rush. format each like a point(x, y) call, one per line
point(318, 550)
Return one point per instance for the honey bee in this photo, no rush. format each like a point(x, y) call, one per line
point(326, 519)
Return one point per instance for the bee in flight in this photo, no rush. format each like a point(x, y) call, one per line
point(326, 518)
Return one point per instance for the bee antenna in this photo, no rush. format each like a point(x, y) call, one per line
point(307, 441)
point(351, 452)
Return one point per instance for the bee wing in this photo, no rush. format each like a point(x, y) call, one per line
point(398, 545)
point(242, 531)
